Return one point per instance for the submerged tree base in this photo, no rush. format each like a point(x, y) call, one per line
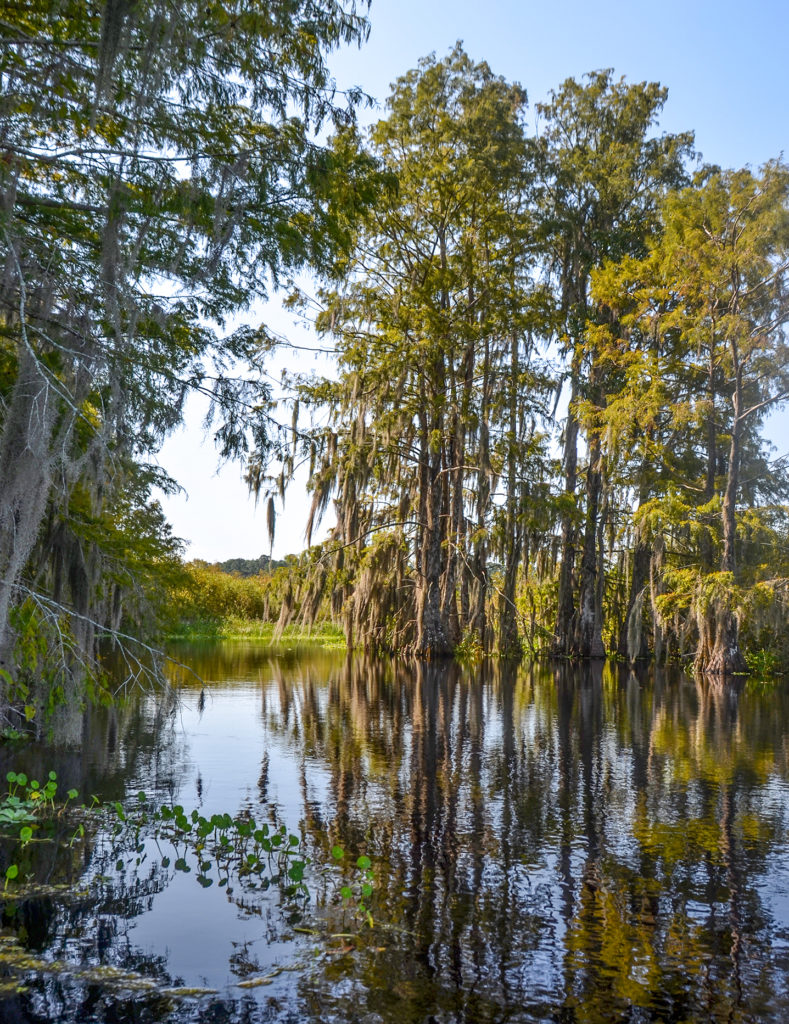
point(723, 657)
point(727, 661)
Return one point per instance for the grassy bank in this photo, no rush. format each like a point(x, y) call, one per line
point(211, 604)
point(324, 635)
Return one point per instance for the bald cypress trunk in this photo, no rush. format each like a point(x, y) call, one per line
point(633, 642)
point(589, 638)
point(432, 638)
point(509, 640)
point(726, 657)
point(565, 616)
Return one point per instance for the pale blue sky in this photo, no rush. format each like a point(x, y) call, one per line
point(725, 65)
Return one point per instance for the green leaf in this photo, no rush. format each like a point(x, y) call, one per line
point(337, 852)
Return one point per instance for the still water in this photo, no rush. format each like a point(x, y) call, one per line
point(574, 845)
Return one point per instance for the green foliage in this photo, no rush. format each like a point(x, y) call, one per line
point(160, 170)
point(223, 849)
point(207, 602)
point(698, 341)
point(29, 803)
point(470, 648)
point(209, 595)
point(435, 307)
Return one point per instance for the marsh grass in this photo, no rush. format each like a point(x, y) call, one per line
point(325, 635)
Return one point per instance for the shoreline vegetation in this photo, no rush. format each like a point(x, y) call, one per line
point(243, 599)
point(325, 635)
point(254, 600)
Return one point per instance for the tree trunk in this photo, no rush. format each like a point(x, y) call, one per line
point(479, 612)
point(633, 641)
point(589, 638)
point(726, 658)
point(454, 502)
point(432, 639)
point(706, 545)
point(565, 615)
point(509, 641)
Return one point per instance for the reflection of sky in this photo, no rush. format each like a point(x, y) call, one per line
point(201, 930)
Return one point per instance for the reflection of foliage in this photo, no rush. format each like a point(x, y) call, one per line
point(581, 846)
point(590, 846)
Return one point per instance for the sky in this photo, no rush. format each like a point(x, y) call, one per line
point(725, 65)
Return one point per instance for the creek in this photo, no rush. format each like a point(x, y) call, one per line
point(547, 844)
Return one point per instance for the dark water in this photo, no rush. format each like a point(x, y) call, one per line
point(570, 846)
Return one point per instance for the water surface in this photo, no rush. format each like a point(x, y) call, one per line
point(574, 845)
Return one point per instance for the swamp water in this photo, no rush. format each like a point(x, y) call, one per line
point(574, 845)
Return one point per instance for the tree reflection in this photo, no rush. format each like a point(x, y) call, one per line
point(576, 843)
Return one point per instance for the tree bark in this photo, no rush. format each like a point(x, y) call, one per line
point(589, 638)
point(509, 640)
point(565, 615)
point(633, 642)
point(432, 639)
point(726, 658)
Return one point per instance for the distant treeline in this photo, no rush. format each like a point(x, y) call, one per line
point(207, 600)
point(248, 566)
